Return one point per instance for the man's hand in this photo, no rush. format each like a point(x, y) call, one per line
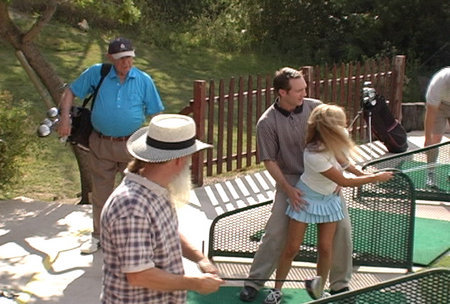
point(295, 198)
point(206, 266)
point(294, 195)
point(337, 190)
point(208, 283)
point(64, 126)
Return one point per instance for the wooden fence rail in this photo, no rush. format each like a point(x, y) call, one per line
point(226, 114)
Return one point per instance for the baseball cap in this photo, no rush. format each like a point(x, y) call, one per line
point(120, 47)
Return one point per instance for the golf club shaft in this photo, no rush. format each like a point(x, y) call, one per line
point(262, 280)
point(428, 166)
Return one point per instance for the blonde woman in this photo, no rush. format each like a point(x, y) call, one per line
point(325, 158)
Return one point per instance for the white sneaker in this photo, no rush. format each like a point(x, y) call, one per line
point(314, 287)
point(325, 295)
point(90, 246)
point(274, 297)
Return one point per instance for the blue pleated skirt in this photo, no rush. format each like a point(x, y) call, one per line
point(320, 209)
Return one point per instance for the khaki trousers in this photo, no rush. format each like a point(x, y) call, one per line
point(107, 158)
point(274, 239)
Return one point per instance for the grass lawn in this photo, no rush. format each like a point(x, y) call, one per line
point(51, 173)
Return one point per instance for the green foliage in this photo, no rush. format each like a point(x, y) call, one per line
point(104, 14)
point(345, 30)
point(225, 29)
point(415, 83)
point(14, 138)
point(126, 12)
point(179, 11)
point(312, 31)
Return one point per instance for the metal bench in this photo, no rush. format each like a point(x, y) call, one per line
point(415, 165)
point(382, 217)
point(426, 287)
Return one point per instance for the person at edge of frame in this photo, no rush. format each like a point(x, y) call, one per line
point(437, 119)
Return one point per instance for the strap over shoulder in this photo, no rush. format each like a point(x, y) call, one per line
point(106, 67)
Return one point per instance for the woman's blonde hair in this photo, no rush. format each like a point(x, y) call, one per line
point(327, 131)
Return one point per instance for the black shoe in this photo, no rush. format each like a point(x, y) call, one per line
point(333, 292)
point(248, 294)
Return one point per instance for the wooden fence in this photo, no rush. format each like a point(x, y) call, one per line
point(226, 113)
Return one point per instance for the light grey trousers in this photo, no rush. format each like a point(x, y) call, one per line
point(274, 239)
point(106, 159)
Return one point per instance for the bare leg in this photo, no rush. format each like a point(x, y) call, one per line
point(296, 233)
point(325, 247)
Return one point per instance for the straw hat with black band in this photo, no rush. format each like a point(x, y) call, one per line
point(167, 137)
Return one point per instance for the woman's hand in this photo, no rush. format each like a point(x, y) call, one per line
point(384, 176)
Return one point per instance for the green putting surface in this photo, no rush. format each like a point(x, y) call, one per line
point(431, 240)
point(230, 294)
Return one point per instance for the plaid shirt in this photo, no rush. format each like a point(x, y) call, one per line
point(139, 231)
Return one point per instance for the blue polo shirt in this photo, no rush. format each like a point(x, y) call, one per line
point(120, 108)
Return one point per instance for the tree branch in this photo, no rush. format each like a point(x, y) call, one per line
point(4, 17)
point(8, 30)
point(41, 21)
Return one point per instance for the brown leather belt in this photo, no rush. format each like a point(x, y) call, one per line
point(112, 138)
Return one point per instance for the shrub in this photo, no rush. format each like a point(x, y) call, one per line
point(14, 138)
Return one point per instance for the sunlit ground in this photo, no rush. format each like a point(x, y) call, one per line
point(41, 259)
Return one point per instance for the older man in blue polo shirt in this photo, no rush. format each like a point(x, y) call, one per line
point(126, 96)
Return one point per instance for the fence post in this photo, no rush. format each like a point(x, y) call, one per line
point(397, 94)
point(308, 74)
point(198, 109)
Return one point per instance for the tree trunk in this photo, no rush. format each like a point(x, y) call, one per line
point(47, 75)
point(24, 42)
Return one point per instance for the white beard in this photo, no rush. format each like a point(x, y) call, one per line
point(180, 187)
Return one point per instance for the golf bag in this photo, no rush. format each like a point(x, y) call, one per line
point(81, 116)
point(383, 124)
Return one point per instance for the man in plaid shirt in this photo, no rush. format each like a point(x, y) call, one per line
point(142, 247)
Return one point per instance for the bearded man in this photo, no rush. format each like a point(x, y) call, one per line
point(142, 247)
